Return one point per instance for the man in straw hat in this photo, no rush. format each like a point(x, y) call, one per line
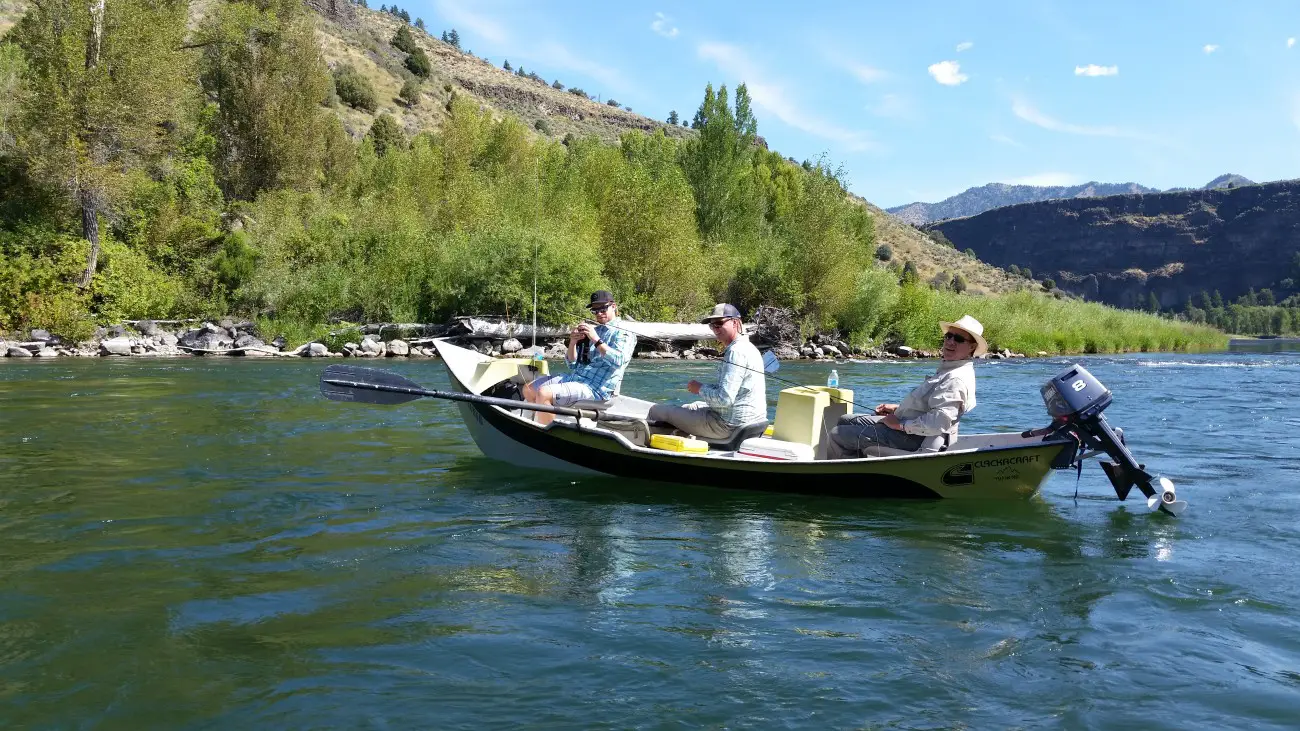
point(927, 418)
point(740, 395)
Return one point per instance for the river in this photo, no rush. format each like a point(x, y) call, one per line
point(208, 544)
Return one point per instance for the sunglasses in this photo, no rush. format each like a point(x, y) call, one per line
point(718, 324)
point(600, 308)
point(956, 338)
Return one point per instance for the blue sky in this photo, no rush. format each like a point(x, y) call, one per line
point(919, 101)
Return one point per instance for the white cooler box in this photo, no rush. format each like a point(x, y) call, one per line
point(767, 448)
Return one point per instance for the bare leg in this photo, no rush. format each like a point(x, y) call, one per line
point(544, 395)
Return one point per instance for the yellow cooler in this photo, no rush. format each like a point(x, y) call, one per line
point(673, 443)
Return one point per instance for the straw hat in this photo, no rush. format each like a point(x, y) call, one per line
point(969, 326)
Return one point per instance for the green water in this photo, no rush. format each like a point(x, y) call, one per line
point(198, 544)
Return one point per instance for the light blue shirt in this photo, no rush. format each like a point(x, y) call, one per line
point(605, 372)
point(740, 395)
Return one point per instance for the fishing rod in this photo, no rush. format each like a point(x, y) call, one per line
point(770, 363)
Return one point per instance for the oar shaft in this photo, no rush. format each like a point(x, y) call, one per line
point(504, 403)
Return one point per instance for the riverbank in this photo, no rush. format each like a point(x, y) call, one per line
point(230, 338)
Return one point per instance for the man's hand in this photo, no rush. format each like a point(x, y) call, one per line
point(892, 422)
point(589, 331)
point(694, 387)
point(886, 409)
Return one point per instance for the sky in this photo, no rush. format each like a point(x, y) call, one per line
point(922, 100)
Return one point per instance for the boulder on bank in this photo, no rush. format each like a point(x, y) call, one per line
point(16, 352)
point(116, 346)
point(511, 345)
point(370, 348)
point(398, 348)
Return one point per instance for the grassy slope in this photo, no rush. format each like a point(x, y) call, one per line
point(365, 45)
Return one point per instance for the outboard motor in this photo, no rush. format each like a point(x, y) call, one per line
point(1075, 401)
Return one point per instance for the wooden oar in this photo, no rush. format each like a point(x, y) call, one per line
point(377, 386)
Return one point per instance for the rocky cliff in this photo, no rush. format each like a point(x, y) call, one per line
point(974, 201)
point(1121, 249)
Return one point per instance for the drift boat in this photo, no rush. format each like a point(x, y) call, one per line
point(616, 438)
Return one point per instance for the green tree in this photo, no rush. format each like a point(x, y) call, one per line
point(410, 93)
point(263, 68)
point(106, 79)
point(417, 62)
point(673, 119)
point(507, 65)
point(910, 274)
point(1153, 302)
point(1049, 284)
point(453, 38)
point(1013, 270)
point(419, 23)
point(1266, 297)
point(611, 103)
point(717, 164)
point(353, 88)
point(12, 91)
point(557, 85)
point(959, 284)
point(386, 134)
point(884, 252)
point(403, 40)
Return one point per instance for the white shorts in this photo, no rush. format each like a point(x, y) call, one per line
point(566, 392)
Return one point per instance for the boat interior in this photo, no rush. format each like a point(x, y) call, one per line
point(800, 430)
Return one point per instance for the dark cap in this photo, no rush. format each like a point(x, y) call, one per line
point(721, 311)
point(600, 299)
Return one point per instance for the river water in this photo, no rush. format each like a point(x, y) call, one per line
point(208, 544)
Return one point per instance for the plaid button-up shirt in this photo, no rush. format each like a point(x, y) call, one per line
point(605, 372)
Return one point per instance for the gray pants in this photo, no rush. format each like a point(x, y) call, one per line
point(855, 433)
point(697, 419)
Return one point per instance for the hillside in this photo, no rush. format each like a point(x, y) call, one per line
point(1120, 250)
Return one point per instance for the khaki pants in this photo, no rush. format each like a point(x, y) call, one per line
point(697, 419)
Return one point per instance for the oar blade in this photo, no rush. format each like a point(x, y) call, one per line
point(365, 385)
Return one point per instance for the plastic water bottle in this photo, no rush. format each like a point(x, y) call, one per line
point(833, 380)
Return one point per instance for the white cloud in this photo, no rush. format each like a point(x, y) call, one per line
point(1051, 180)
point(556, 55)
point(866, 74)
point(1030, 114)
point(1093, 69)
point(1209, 48)
point(1003, 139)
point(770, 96)
point(663, 25)
point(894, 106)
point(455, 12)
point(1290, 42)
point(947, 73)
point(965, 46)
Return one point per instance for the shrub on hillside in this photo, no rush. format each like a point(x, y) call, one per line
point(579, 92)
point(418, 63)
point(410, 92)
point(542, 126)
point(612, 103)
point(354, 89)
point(403, 40)
point(386, 134)
point(884, 252)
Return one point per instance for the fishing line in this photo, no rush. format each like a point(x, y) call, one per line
point(737, 365)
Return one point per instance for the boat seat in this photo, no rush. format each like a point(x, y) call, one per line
point(591, 405)
point(732, 441)
point(929, 444)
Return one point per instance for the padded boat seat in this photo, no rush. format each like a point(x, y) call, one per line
point(732, 441)
point(929, 444)
point(600, 406)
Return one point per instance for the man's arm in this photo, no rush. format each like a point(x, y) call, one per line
point(724, 393)
point(946, 403)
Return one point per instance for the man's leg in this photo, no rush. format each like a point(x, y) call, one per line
point(700, 422)
point(855, 433)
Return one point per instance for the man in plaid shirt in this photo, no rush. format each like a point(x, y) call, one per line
point(595, 377)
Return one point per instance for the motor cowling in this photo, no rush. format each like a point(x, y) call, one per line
point(1075, 399)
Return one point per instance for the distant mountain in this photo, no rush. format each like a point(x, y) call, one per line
point(996, 195)
point(1228, 180)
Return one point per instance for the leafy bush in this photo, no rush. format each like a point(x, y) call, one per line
point(542, 126)
point(403, 40)
point(354, 89)
point(385, 134)
point(578, 92)
point(418, 63)
point(612, 103)
point(410, 93)
point(884, 252)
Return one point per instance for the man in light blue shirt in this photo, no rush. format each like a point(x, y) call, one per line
point(597, 356)
point(740, 395)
